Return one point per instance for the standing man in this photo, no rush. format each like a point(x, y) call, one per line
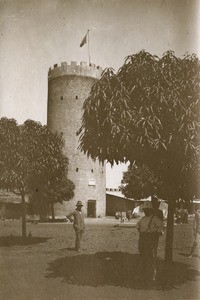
point(156, 211)
point(196, 231)
point(149, 226)
point(77, 217)
point(159, 213)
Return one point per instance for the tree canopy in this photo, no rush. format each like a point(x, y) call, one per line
point(31, 159)
point(49, 191)
point(140, 182)
point(148, 112)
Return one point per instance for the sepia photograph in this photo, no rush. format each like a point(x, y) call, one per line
point(99, 149)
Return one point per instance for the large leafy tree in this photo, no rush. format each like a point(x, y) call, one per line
point(148, 112)
point(31, 159)
point(140, 182)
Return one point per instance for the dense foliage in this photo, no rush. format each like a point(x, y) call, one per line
point(32, 159)
point(139, 182)
point(148, 112)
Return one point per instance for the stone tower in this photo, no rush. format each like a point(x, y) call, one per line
point(68, 87)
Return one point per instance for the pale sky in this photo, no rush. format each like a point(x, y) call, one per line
point(36, 34)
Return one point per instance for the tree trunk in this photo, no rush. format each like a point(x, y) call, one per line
point(23, 216)
point(52, 212)
point(170, 231)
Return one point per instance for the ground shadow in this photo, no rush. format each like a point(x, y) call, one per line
point(117, 269)
point(67, 249)
point(70, 248)
point(9, 241)
point(188, 254)
point(119, 226)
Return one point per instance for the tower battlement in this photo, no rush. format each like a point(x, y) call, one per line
point(74, 69)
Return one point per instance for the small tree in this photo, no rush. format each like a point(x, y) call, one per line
point(149, 113)
point(49, 192)
point(39, 205)
point(140, 182)
point(30, 155)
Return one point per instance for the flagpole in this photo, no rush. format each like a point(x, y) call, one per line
point(88, 46)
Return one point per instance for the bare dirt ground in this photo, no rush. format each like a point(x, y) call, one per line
point(46, 267)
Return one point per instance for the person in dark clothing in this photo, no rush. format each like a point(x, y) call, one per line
point(196, 232)
point(148, 227)
point(77, 217)
point(159, 213)
point(184, 216)
point(156, 211)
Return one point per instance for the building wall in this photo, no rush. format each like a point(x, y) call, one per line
point(68, 87)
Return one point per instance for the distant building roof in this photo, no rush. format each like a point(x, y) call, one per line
point(116, 193)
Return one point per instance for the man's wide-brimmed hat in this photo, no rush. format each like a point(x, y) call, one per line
point(147, 205)
point(79, 203)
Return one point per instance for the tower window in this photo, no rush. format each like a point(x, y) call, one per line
point(92, 170)
point(76, 97)
point(61, 98)
point(76, 169)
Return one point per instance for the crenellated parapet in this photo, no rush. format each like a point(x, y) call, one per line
point(74, 69)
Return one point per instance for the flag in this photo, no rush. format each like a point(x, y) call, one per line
point(84, 41)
